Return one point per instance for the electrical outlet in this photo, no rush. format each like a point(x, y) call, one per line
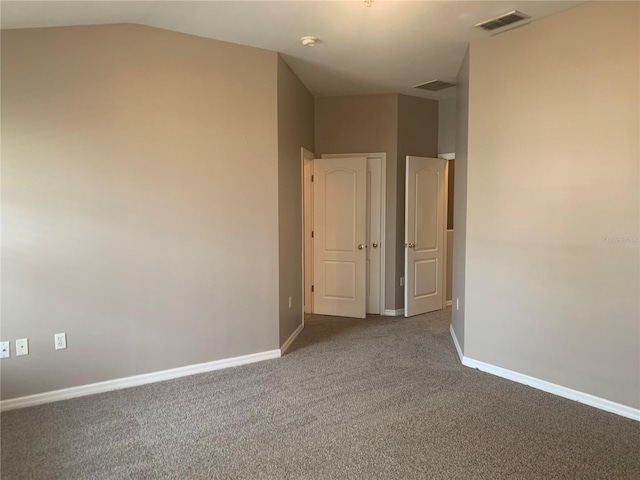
point(5, 349)
point(22, 347)
point(402, 281)
point(60, 340)
point(290, 302)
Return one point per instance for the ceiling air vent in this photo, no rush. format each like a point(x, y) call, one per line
point(503, 20)
point(435, 85)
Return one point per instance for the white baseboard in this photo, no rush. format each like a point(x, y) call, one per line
point(457, 345)
point(581, 397)
point(587, 399)
point(291, 338)
point(134, 381)
point(394, 313)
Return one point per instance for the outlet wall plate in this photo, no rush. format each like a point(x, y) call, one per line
point(5, 349)
point(22, 347)
point(60, 341)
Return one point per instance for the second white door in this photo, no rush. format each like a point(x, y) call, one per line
point(424, 235)
point(374, 235)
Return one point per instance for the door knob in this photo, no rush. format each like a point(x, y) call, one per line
point(375, 245)
point(411, 245)
point(360, 247)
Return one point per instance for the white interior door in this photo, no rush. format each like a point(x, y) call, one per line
point(374, 234)
point(424, 235)
point(340, 235)
point(376, 190)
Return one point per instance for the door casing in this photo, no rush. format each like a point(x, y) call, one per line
point(307, 158)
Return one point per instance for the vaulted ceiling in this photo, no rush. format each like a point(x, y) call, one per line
point(384, 47)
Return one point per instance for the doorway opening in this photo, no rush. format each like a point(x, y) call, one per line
point(372, 247)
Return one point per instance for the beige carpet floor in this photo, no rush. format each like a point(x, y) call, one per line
point(379, 398)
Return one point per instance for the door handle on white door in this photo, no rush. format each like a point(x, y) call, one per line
point(360, 247)
point(411, 245)
point(375, 245)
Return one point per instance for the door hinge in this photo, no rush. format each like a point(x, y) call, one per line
point(312, 288)
point(311, 233)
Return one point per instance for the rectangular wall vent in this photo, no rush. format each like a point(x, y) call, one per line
point(435, 85)
point(503, 20)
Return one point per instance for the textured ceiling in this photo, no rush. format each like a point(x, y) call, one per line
point(387, 47)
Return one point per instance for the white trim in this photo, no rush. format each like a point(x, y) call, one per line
point(306, 155)
point(581, 397)
point(394, 313)
point(449, 303)
point(134, 381)
point(445, 220)
point(586, 398)
point(457, 345)
point(383, 215)
point(291, 338)
point(383, 230)
point(447, 156)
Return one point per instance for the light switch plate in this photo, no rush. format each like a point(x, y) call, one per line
point(5, 349)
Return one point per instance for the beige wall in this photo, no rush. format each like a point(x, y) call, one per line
point(553, 173)
point(449, 287)
point(447, 125)
point(460, 202)
point(418, 136)
point(366, 124)
point(139, 169)
point(295, 130)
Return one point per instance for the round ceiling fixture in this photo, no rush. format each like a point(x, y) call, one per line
point(308, 41)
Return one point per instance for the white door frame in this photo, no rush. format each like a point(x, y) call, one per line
point(444, 226)
point(447, 157)
point(306, 155)
point(383, 212)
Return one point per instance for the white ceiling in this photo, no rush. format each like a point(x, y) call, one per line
point(385, 48)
